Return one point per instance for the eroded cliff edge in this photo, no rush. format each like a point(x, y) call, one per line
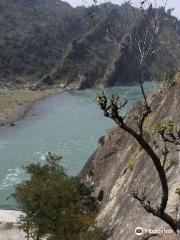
point(120, 165)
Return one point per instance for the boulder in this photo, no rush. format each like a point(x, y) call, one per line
point(47, 80)
point(62, 86)
point(6, 225)
point(35, 86)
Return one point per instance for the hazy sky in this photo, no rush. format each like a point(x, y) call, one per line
point(170, 4)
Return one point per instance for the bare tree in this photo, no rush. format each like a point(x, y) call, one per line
point(148, 42)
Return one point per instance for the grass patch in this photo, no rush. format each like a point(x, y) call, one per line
point(173, 161)
point(133, 157)
point(17, 97)
point(130, 165)
point(14, 98)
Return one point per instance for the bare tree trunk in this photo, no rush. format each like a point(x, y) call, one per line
point(141, 85)
point(157, 163)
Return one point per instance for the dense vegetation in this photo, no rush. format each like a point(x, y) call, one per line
point(42, 37)
point(54, 205)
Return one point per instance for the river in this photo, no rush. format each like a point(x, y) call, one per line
point(68, 124)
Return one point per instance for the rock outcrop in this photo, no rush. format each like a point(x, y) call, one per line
point(47, 79)
point(120, 165)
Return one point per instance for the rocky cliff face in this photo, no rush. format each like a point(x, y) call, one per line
point(120, 165)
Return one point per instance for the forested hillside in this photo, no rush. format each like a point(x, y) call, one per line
point(40, 37)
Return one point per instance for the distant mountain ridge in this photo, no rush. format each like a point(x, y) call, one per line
point(40, 37)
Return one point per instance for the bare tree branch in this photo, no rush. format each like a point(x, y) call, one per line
point(147, 43)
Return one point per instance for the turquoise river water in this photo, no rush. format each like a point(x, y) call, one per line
point(67, 124)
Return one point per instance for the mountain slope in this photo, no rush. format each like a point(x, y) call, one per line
point(40, 37)
point(33, 36)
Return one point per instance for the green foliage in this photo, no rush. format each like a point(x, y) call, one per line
point(130, 165)
point(176, 207)
point(172, 161)
point(94, 234)
point(177, 191)
point(146, 136)
point(35, 35)
point(143, 194)
point(170, 127)
point(169, 76)
point(133, 149)
point(100, 98)
point(41, 37)
point(160, 128)
point(55, 206)
point(142, 177)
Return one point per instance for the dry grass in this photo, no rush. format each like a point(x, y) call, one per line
point(13, 104)
point(14, 98)
point(18, 97)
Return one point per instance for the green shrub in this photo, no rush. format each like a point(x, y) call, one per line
point(169, 76)
point(177, 191)
point(146, 136)
point(160, 128)
point(173, 161)
point(101, 140)
point(54, 205)
point(130, 165)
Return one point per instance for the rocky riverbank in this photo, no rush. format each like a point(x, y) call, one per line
point(9, 228)
point(14, 104)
